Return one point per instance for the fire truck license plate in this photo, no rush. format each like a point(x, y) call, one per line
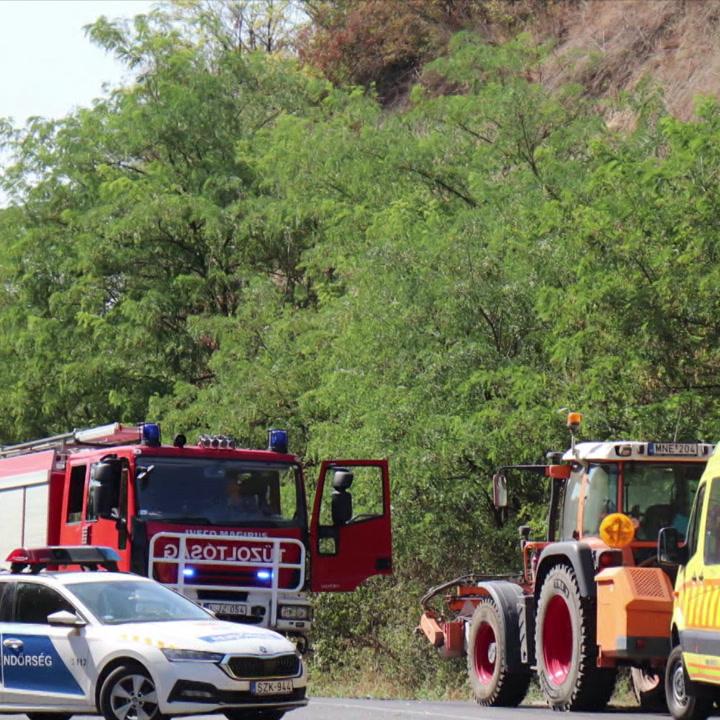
point(226, 608)
point(271, 687)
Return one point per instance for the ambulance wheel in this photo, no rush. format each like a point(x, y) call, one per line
point(48, 716)
point(492, 682)
point(565, 646)
point(683, 705)
point(129, 693)
point(649, 690)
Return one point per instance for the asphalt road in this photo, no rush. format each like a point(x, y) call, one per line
point(342, 709)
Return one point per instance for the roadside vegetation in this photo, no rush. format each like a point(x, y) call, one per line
point(238, 241)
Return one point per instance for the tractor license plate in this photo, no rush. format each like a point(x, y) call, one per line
point(272, 687)
point(673, 448)
point(227, 608)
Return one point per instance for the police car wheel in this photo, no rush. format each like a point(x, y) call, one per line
point(129, 693)
point(49, 716)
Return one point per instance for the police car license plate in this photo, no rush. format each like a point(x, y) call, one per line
point(226, 608)
point(271, 687)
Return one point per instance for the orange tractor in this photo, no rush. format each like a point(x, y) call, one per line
point(590, 597)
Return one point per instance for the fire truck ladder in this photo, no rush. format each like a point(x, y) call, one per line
point(112, 434)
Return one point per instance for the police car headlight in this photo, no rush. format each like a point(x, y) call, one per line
point(191, 656)
point(295, 612)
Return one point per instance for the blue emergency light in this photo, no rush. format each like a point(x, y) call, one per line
point(189, 572)
point(150, 434)
point(278, 441)
point(264, 574)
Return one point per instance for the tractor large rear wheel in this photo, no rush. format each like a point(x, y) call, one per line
point(492, 682)
point(565, 646)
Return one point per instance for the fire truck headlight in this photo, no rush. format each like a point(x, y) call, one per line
point(295, 612)
point(192, 656)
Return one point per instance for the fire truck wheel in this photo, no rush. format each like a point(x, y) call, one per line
point(128, 693)
point(649, 689)
point(565, 646)
point(490, 678)
point(681, 704)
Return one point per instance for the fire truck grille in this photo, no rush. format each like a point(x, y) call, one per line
point(271, 667)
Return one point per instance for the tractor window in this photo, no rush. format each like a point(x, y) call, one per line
point(601, 496)
point(571, 503)
point(712, 525)
point(659, 495)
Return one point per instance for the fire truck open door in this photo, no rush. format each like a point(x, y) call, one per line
point(350, 531)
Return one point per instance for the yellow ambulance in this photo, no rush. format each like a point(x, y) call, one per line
point(692, 676)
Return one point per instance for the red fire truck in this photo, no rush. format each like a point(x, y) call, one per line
point(227, 527)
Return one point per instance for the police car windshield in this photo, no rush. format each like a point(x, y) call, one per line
point(129, 601)
point(219, 492)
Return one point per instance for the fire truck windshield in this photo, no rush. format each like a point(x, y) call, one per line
point(219, 492)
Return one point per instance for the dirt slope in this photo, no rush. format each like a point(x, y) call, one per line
point(611, 45)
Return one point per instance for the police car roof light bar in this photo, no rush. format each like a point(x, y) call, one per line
point(89, 557)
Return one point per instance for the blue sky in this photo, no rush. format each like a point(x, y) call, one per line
point(47, 65)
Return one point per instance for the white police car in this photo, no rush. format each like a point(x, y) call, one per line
point(129, 648)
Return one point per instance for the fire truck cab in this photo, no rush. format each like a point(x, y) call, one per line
point(227, 527)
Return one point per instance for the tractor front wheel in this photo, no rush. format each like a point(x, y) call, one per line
point(492, 682)
point(565, 646)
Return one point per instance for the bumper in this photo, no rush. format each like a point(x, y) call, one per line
point(204, 688)
point(206, 695)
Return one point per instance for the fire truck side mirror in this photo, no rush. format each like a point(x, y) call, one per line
point(341, 500)
point(105, 488)
point(500, 499)
point(670, 551)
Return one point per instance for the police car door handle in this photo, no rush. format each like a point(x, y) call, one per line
point(13, 644)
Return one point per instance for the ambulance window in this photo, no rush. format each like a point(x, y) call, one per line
point(712, 525)
point(692, 541)
point(33, 603)
point(76, 493)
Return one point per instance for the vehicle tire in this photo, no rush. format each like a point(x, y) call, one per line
point(649, 689)
point(128, 693)
point(491, 680)
point(681, 704)
point(48, 716)
point(565, 646)
point(254, 714)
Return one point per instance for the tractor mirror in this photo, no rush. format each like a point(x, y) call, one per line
point(670, 552)
point(500, 499)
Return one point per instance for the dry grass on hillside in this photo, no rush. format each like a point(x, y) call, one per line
point(611, 45)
